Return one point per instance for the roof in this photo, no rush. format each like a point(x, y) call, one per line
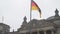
point(53, 18)
point(2, 24)
point(33, 24)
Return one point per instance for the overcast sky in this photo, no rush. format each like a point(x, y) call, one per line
point(15, 10)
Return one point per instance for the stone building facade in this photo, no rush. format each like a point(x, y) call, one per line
point(50, 25)
point(4, 29)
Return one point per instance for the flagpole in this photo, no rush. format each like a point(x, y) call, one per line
point(30, 14)
point(31, 10)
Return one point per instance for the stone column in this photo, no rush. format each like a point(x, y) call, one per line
point(2, 32)
point(24, 33)
point(38, 32)
point(30, 32)
point(44, 32)
point(52, 32)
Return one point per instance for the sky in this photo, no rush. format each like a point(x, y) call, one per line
point(14, 11)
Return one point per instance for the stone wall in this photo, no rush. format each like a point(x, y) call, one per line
point(58, 31)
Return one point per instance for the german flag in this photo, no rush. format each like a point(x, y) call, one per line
point(34, 6)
